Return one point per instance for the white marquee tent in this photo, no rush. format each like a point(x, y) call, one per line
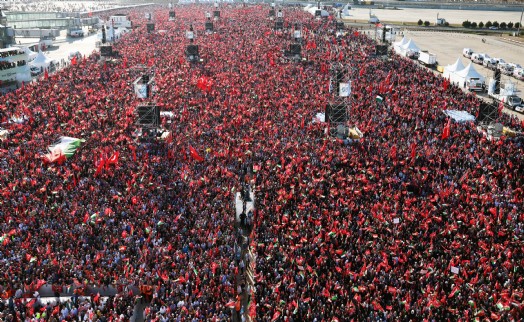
point(41, 61)
point(312, 9)
point(465, 75)
point(408, 47)
point(448, 70)
point(397, 45)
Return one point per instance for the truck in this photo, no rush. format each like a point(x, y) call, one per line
point(506, 95)
point(46, 41)
point(75, 32)
point(475, 85)
point(426, 58)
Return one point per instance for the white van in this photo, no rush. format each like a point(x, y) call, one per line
point(478, 58)
point(518, 73)
point(467, 52)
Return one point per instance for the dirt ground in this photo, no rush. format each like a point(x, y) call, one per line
point(451, 16)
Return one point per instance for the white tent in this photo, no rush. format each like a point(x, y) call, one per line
point(398, 45)
point(410, 46)
point(345, 11)
point(458, 65)
point(41, 61)
point(312, 10)
point(32, 55)
point(465, 75)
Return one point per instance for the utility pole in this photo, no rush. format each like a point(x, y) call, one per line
point(520, 23)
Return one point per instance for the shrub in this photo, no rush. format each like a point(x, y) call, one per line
point(496, 24)
point(481, 24)
point(473, 25)
point(517, 25)
point(419, 22)
point(426, 23)
point(510, 25)
point(503, 25)
point(446, 24)
point(466, 24)
point(488, 24)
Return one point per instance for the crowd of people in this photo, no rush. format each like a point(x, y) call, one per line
point(404, 224)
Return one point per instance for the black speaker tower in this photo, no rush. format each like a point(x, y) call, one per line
point(496, 76)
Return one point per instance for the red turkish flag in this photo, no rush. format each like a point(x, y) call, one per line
point(194, 154)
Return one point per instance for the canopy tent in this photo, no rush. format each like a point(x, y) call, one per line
point(41, 61)
point(465, 75)
point(458, 65)
point(401, 43)
point(31, 54)
point(345, 11)
point(397, 45)
point(408, 47)
point(312, 10)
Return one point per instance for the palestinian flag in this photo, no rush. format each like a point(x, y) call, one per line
point(62, 149)
point(503, 306)
point(379, 99)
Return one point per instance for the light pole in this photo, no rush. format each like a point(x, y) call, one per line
point(520, 23)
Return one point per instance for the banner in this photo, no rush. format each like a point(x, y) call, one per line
point(345, 89)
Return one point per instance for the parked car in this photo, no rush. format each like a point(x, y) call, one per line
point(478, 58)
point(493, 28)
point(518, 73)
point(505, 68)
point(467, 52)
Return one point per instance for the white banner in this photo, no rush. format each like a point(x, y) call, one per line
point(345, 89)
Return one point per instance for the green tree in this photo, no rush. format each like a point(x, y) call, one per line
point(510, 25)
point(488, 24)
point(495, 24)
point(503, 25)
point(466, 24)
point(473, 24)
point(481, 24)
point(426, 23)
point(420, 22)
point(517, 25)
point(446, 24)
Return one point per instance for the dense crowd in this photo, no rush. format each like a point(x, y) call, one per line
point(372, 230)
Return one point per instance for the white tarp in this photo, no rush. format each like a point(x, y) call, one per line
point(465, 75)
point(458, 65)
point(460, 116)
